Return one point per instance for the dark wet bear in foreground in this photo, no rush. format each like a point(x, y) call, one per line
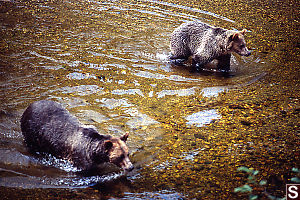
point(204, 43)
point(49, 128)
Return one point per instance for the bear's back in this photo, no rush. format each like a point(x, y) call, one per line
point(190, 29)
point(45, 123)
point(186, 38)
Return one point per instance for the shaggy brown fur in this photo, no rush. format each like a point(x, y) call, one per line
point(206, 43)
point(49, 128)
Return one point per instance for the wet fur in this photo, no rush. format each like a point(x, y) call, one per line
point(206, 43)
point(49, 128)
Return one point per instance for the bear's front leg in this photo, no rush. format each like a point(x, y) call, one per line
point(178, 60)
point(224, 62)
point(198, 63)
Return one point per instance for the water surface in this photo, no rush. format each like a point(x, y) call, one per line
point(106, 62)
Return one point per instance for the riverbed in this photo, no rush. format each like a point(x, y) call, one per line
point(107, 63)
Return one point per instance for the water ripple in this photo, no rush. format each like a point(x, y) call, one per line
point(203, 117)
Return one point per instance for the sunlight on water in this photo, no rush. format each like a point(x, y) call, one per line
point(62, 164)
point(212, 91)
point(82, 90)
point(192, 9)
point(203, 117)
point(77, 181)
point(164, 194)
point(139, 119)
point(115, 103)
point(182, 92)
point(163, 57)
point(20, 180)
point(80, 76)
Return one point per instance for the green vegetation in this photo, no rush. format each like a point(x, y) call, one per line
point(251, 183)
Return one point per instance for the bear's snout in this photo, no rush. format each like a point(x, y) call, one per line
point(130, 168)
point(127, 165)
point(247, 54)
point(244, 52)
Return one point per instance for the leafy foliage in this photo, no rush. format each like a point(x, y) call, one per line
point(296, 179)
point(253, 181)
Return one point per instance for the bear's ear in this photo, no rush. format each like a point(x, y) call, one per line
point(233, 36)
point(124, 137)
point(243, 31)
point(108, 145)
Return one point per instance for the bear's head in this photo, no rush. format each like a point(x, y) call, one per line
point(236, 43)
point(118, 152)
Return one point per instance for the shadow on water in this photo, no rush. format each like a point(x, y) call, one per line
point(107, 63)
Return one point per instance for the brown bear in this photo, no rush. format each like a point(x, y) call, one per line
point(206, 43)
point(49, 128)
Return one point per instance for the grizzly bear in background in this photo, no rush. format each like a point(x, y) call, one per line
point(48, 127)
point(206, 43)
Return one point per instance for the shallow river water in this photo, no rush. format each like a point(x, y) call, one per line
point(107, 63)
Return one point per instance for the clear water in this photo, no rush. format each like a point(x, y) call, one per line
point(106, 62)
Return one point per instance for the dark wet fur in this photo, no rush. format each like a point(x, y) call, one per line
point(49, 128)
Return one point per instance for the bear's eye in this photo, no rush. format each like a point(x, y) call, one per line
point(242, 46)
point(122, 157)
